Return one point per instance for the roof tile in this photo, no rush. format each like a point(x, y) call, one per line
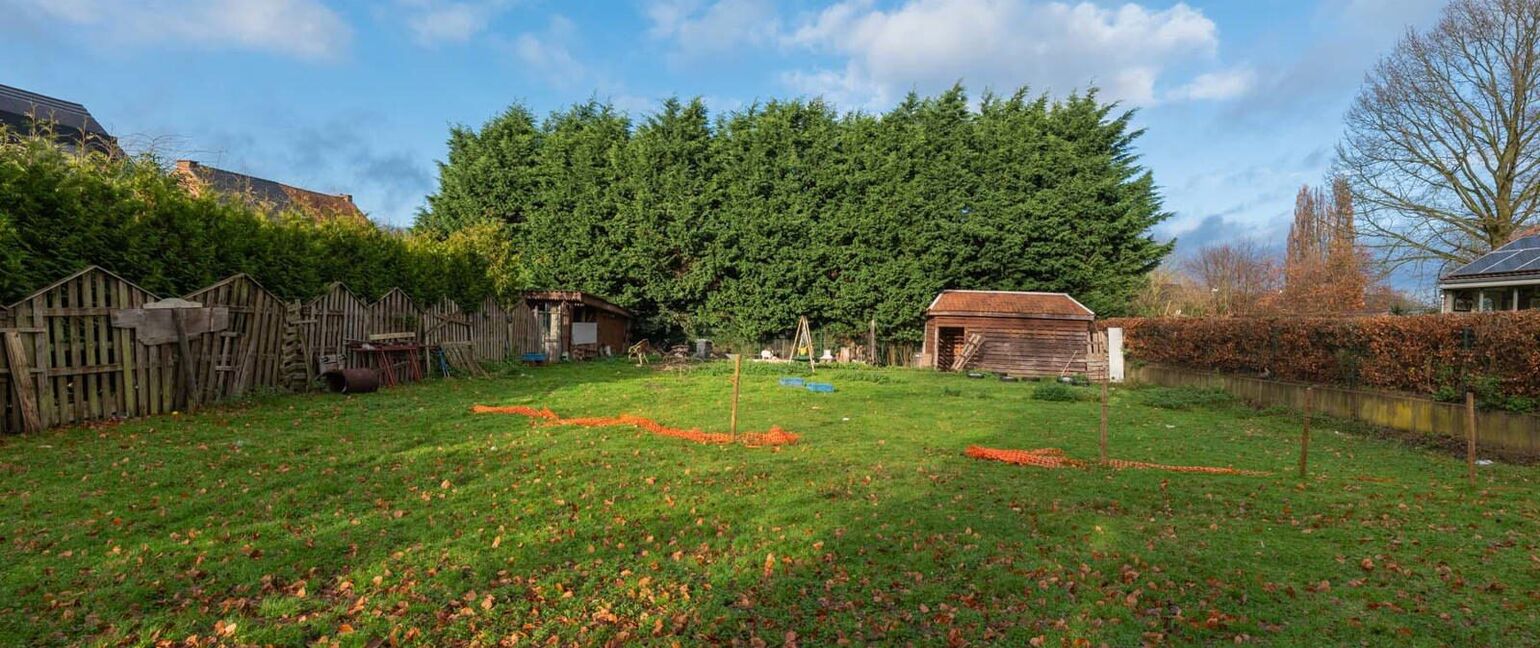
point(1002, 302)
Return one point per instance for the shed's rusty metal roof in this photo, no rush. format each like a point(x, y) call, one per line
point(576, 297)
point(1005, 303)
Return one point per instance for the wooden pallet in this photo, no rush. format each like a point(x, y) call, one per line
point(461, 357)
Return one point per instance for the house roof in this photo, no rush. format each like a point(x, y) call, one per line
point(1005, 303)
point(21, 110)
point(576, 297)
point(1518, 259)
point(275, 197)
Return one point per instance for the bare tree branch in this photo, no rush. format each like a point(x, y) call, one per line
point(1443, 143)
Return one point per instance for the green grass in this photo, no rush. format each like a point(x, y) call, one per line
point(401, 515)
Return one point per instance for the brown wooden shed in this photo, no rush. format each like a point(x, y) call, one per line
point(1025, 334)
point(578, 325)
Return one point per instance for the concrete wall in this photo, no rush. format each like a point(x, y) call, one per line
point(1497, 433)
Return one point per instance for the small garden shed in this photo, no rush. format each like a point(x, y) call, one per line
point(579, 326)
point(1024, 334)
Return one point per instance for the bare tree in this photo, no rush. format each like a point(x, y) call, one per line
point(1326, 271)
point(1443, 143)
point(1241, 278)
point(1169, 292)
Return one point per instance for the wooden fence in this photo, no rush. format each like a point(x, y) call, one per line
point(64, 362)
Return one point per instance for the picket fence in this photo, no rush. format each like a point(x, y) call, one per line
point(62, 362)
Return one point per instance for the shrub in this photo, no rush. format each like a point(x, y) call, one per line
point(1052, 391)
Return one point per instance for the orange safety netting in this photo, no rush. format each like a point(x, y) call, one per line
point(1054, 458)
point(775, 437)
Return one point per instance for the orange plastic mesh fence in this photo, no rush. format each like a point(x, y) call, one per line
point(1054, 458)
point(775, 437)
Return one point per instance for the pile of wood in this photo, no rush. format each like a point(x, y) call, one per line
point(460, 358)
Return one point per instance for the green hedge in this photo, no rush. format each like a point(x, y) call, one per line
point(737, 225)
point(60, 212)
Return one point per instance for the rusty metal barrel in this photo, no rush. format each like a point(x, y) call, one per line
point(356, 380)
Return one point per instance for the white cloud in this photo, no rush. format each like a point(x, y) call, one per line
point(1216, 86)
point(548, 53)
point(1053, 46)
point(438, 21)
point(1316, 81)
point(850, 91)
point(700, 28)
point(304, 29)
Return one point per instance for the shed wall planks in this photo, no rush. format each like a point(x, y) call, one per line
point(1021, 346)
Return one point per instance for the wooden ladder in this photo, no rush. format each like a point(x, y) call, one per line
point(970, 349)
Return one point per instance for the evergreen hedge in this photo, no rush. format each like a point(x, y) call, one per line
point(61, 211)
point(734, 227)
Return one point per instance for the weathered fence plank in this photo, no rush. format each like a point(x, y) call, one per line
point(76, 366)
point(26, 398)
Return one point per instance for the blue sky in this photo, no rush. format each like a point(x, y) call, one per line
point(1242, 99)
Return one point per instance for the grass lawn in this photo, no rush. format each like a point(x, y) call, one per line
point(400, 515)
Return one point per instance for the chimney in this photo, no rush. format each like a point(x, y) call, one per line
point(188, 176)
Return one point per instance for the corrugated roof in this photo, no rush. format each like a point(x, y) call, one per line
point(576, 297)
point(1008, 303)
point(267, 194)
point(1517, 259)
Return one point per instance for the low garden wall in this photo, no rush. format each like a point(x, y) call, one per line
point(1498, 433)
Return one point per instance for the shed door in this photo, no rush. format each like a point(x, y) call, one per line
point(949, 343)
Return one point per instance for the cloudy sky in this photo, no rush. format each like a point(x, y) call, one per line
point(1242, 99)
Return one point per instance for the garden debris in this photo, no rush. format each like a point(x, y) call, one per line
point(1055, 458)
point(677, 358)
point(775, 437)
point(639, 352)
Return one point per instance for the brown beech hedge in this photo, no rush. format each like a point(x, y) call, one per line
point(1495, 354)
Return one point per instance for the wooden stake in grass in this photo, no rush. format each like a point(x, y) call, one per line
point(1304, 433)
point(871, 344)
point(1104, 419)
point(732, 425)
point(1470, 436)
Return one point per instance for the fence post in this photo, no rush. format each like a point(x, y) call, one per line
point(1470, 436)
point(1304, 433)
point(871, 343)
point(1105, 380)
point(737, 378)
